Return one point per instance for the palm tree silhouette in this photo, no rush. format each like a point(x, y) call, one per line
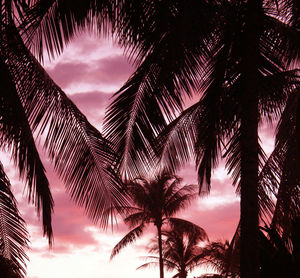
point(155, 201)
point(181, 250)
point(236, 53)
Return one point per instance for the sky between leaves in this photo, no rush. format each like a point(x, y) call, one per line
point(89, 71)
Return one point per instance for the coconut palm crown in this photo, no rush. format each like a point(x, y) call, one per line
point(154, 201)
point(181, 250)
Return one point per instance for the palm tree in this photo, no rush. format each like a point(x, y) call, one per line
point(181, 250)
point(236, 53)
point(155, 201)
point(211, 35)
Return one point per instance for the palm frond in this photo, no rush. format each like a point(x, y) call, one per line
point(147, 265)
point(287, 152)
point(155, 91)
point(180, 199)
point(135, 117)
point(51, 24)
point(174, 143)
point(169, 265)
point(285, 43)
point(135, 218)
point(81, 156)
point(13, 233)
point(127, 239)
point(185, 226)
point(16, 135)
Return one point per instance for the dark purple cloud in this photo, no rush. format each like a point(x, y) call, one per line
point(92, 105)
point(110, 70)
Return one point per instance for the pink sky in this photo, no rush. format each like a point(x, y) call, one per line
point(89, 71)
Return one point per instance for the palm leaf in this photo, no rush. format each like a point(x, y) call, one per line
point(286, 187)
point(155, 91)
point(173, 144)
point(16, 135)
point(13, 233)
point(81, 156)
point(184, 226)
point(127, 239)
point(180, 199)
point(51, 24)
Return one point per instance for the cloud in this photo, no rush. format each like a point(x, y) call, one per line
point(81, 69)
point(92, 105)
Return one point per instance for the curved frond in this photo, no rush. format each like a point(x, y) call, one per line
point(51, 24)
point(286, 156)
point(134, 119)
point(16, 135)
point(150, 264)
point(155, 91)
point(286, 37)
point(180, 199)
point(174, 143)
point(127, 239)
point(135, 218)
point(81, 156)
point(13, 233)
point(185, 226)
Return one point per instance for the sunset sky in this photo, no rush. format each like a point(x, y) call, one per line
point(89, 71)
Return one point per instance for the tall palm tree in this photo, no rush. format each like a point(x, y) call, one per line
point(155, 201)
point(236, 53)
point(181, 250)
point(201, 37)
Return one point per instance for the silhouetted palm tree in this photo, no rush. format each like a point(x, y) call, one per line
point(155, 201)
point(237, 47)
point(181, 250)
point(234, 52)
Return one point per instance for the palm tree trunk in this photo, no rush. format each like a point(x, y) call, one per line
point(249, 259)
point(161, 264)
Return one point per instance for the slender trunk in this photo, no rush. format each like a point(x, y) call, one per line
point(161, 264)
point(183, 274)
point(249, 259)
